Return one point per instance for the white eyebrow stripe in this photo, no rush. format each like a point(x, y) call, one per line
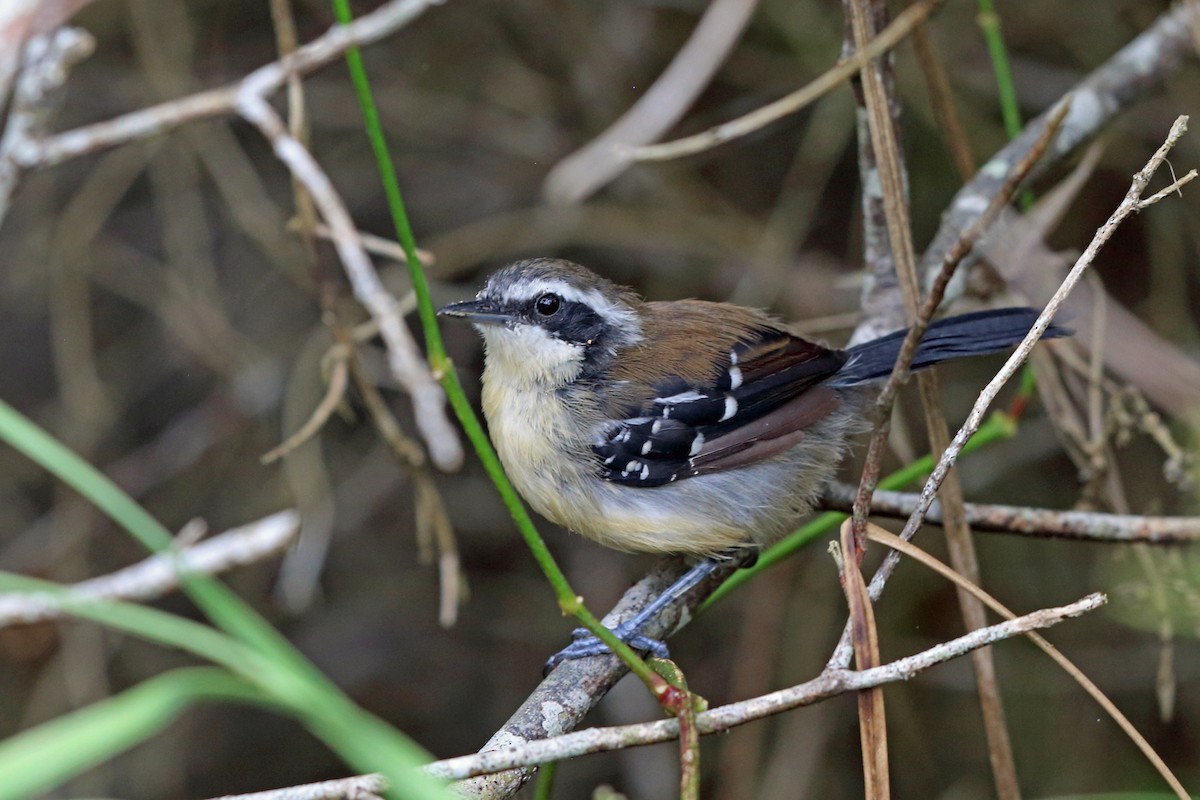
point(617, 314)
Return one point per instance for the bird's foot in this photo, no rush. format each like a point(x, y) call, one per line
point(584, 644)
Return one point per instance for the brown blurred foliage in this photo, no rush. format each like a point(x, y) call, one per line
point(158, 315)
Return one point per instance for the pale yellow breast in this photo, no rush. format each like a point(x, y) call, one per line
point(529, 430)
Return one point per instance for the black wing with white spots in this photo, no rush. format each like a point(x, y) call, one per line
point(755, 399)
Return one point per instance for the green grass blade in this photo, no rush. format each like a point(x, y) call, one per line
point(362, 740)
point(279, 669)
point(45, 756)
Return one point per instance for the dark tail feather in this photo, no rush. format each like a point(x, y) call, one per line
point(975, 334)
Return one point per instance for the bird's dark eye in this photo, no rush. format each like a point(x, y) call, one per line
point(548, 304)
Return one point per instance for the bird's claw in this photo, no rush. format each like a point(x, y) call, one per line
point(584, 644)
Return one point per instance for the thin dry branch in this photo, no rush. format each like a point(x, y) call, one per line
point(830, 683)
point(831, 79)
point(585, 171)
point(335, 393)
point(404, 357)
point(362, 787)
point(158, 119)
point(881, 105)
point(247, 97)
point(1128, 76)
point(908, 348)
point(46, 60)
point(159, 574)
point(844, 652)
point(957, 529)
point(872, 716)
point(1088, 526)
point(1133, 202)
point(890, 539)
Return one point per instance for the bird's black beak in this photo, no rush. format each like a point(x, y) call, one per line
point(481, 312)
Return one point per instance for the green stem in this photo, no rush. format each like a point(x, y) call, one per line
point(1006, 88)
point(993, 36)
point(443, 370)
point(545, 781)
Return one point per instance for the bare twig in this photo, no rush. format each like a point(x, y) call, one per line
point(941, 97)
point(404, 358)
point(435, 532)
point(46, 61)
point(1133, 202)
point(20, 20)
point(247, 98)
point(844, 652)
point(826, 685)
point(901, 546)
point(159, 574)
point(834, 77)
point(585, 171)
point(334, 394)
point(872, 717)
point(163, 117)
point(933, 300)
point(1132, 349)
point(1128, 76)
point(380, 246)
point(362, 787)
point(1088, 526)
point(958, 531)
point(833, 682)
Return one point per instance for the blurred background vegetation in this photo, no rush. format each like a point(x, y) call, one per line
point(158, 315)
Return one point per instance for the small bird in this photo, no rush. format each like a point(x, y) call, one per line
point(683, 426)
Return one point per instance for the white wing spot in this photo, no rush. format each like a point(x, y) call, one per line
point(656, 427)
point(646, 447)
point(730, 408)
point(697, 443)
point(691, 395)
point(645, 471)
point(735, 377)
